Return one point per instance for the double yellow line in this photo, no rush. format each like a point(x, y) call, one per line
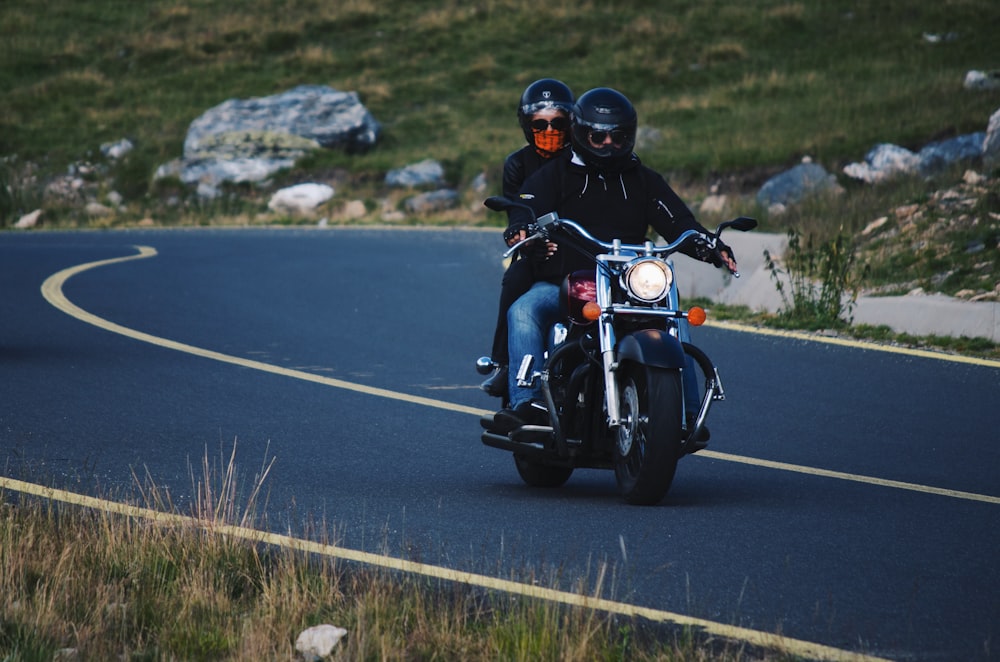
point(52, 290)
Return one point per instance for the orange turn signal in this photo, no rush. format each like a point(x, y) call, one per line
point(591, 311)
point(697, 316)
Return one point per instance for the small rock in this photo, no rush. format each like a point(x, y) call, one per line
point(875, 225)
point(354, 209)
point(300, 199)
point(906, 211)
point(432, 201)
point(208, 191)
point(424, 173)
point(317, 642)
point(935, 38)
point(480, 183)
point(882, 162)
point(29, 220)
point(117, 150)
point(982, 80)
point(973, 178)
point(713, 204)
point(96, 209)
point(991, 145)
point(793, 185)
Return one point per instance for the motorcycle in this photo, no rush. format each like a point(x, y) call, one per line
point(618, 367)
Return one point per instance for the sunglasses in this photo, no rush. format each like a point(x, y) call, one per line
point(618, 137)
point(557, 123)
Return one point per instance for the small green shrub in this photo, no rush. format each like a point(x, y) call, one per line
point(819, 286)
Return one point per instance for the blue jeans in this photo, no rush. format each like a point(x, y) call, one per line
point(529, 320)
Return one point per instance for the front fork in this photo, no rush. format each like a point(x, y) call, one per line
point(608, 342)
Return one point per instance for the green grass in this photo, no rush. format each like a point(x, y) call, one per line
point(730, 85)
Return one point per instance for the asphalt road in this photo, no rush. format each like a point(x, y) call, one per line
point(849, 497)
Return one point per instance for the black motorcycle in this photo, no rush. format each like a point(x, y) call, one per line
point(613, 378)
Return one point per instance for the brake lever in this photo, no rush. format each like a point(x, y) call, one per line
point(513, 249)
point(715, 249)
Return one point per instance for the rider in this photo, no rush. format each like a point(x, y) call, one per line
point(544, 118)
point(606, 190)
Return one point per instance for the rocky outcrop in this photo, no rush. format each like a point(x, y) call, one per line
point(248, 140)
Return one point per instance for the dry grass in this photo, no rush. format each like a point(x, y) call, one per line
point(85, 584)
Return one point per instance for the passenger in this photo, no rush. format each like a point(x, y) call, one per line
point(544, 118)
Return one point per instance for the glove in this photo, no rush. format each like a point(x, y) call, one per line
point(722, 248)
point(512, 234)
point(537, 250)
point(705, 254)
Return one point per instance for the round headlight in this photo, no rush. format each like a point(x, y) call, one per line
point(647, 280)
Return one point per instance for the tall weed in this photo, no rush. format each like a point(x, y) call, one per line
point(818, 283)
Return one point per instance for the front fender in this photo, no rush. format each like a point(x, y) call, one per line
point(652, 347)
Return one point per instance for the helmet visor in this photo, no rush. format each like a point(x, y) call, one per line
point(599, 137)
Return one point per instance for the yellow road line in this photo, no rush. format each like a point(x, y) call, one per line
point(52, 291)
point(854, 344)
point(856, 478)
point(796, 647)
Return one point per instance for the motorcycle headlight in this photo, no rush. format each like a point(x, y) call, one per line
point(647, 280)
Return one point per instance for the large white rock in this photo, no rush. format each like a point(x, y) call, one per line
point(300, 199)
point(991, 143)
point(248, 140)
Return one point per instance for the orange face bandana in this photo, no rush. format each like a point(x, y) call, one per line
point(550, 141)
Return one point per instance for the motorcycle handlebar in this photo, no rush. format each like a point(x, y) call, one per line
point(551, 221)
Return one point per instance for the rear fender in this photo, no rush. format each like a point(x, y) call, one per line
point(652, 347)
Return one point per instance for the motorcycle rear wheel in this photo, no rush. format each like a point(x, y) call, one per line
point(536, 474)
point(647, 445)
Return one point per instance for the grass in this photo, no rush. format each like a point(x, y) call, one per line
point(88, 584)
point(729, 86)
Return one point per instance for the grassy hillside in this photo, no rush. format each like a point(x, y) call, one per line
point(732, 85)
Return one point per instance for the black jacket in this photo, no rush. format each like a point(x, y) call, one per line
point(520, 165)
point(619, 205)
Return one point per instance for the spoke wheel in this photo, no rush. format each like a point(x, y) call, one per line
point(648, 442)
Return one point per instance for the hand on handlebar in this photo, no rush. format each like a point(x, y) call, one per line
point(539, 249)
point(514, 234)
point(727, 260)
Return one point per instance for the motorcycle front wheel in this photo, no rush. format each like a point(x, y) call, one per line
point(647, 445)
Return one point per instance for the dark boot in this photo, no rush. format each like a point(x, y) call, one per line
point(526, 413)
point(496, 384)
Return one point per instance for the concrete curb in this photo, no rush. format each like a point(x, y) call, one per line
point(921, 315)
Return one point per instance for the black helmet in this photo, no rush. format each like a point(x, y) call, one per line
point(544, 93)
point(609, 118)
